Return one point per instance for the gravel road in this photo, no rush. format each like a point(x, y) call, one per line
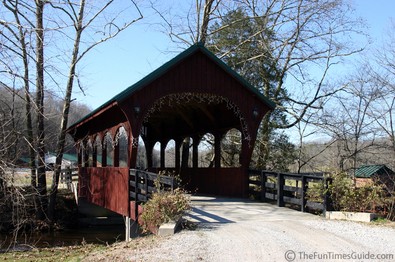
point(239, 230)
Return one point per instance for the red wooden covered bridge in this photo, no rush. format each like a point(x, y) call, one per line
point(191, 95)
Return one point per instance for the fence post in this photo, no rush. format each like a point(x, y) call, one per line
point(327, 198)
point(172, 184)
point(145, 184)
point(62, 176)
point(280, 190)
point(304, 189)
point(69, 178)
point(263, 186)
point(127, 229)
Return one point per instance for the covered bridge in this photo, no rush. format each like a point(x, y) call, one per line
point(191, 95)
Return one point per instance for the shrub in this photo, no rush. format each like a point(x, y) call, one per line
point(345, 196)
point(163, 207)
point(315, 192)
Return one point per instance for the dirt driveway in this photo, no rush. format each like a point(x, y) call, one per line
point(239, 230)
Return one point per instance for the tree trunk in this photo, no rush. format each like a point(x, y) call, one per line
point(41, 179)
point(65, 115)
point(28, 108)
point(205, 21)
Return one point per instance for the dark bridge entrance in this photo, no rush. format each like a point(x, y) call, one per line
point(193, 94)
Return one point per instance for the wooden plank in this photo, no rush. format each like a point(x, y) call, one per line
point(257, 183)
point(132, 194)
point(271, 196)
point(270, 185)
point(296, 178)
point(142, 198)
point(151, 176)
point(292, 200)
point(292, 189)
point(141, 186)
point(151, 189)
point(167, 180)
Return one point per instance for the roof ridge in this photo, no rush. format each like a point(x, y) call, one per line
point(161, 70)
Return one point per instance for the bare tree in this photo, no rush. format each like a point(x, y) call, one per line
point(348, 121)
point(383, 75)
point(287, 51)
point(309, 150)
point(15, 39)
point(187, 24)
point(80, 26)
point(81, 23)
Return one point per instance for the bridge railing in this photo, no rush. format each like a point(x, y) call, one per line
point(143, 184)
point(68, 176)
point(288, 189)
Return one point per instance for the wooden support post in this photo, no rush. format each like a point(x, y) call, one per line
point(162, 154)
point(303, 201)
point(68, 178)
point(127, 229)
point(115, 161)
point(280, 190)
point(178, 154)
point(149, 147)
point(217, 150)
point(263, 186)
point(94, 155)
point(195, 150)
point(327, 205)
point(136, 205)
point(172, 184)
point(145, 185)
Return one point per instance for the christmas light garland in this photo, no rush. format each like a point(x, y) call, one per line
point(201, 98)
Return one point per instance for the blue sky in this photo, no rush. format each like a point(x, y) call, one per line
point(116, 65)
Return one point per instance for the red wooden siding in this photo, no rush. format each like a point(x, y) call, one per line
point(106, 187)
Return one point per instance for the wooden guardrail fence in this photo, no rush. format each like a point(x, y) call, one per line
point(142, 184)
point(69, 176)
point(287, 188)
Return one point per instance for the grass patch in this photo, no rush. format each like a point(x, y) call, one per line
point(70, 253)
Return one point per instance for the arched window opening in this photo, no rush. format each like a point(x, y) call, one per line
point(122, 146)
point(156, 155)
point(231, 148)
point(98, 151)
point(108, 157)
point(141, 155)
point(170, 154)
point(206, 151)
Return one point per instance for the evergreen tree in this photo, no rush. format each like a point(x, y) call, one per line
point(244, 44)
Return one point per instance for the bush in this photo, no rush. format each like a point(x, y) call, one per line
point(163, 207)
point(316, 192)
point(345, 196)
